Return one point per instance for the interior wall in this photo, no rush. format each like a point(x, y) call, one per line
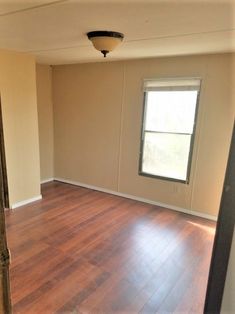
point(87, 112)
point(228, 303)
point(45, 121)
point(20, 124)
point(97, 115)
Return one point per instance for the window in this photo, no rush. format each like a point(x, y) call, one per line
point(170, 108)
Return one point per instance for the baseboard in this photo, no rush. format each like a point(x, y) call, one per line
point(140, 199)
point(25, 202)
point(47, 180)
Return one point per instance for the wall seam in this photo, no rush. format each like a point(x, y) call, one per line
point(53, 117)
point(121, 126)
point(53, 123)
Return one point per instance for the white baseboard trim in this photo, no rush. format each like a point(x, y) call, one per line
point(25, 202)
point(140, 199)
point(47, 180)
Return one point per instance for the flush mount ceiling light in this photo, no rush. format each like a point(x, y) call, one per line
point(105, 41)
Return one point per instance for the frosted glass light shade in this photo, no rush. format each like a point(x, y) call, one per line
point(105, 41)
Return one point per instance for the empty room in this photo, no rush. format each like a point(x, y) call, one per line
point(116, 138)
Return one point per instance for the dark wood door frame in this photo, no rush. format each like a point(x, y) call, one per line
point(223, 238)
point(5, 300)
point(3, 168)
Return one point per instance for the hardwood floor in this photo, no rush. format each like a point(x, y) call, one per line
point(83, 251)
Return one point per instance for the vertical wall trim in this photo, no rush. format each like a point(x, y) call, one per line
point(53, 123)
point(121, 126)
point(53, 116)
point(201, 118)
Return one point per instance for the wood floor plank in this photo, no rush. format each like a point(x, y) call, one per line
point(84, 251)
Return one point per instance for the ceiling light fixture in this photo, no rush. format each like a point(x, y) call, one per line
point(105, 41)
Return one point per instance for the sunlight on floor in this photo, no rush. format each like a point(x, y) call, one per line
point(210, 230)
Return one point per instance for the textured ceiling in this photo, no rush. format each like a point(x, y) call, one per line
point(55, 31)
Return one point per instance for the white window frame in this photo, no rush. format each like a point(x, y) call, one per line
point(169, 84)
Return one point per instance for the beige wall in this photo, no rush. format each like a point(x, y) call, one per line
point(87, 115)
point(228, 304)
point(97, 116)
point(45, 121)
point(19, 108)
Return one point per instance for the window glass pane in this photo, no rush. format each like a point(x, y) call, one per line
point(166, 155)
point(170, 111)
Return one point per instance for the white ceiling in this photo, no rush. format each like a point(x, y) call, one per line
point(55, 31)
